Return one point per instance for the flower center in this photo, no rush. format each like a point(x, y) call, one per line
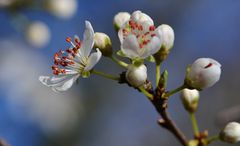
point(63, 59)
point(143, 36)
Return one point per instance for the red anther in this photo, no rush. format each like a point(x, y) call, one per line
point(209, 65)
point(69, 50)
point(55, 72)
point(54, 67)
point(56, 62)
point(75, 50)
point(68, 39)
point(147, 33)
point(63, 71)
point(63, 64)
point(152, 35)
point(140, 27)
point(141, 46)
point(151, 28)
point(56, 55)
point(132, 24)
point(145, 42)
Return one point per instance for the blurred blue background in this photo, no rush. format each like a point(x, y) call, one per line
point(98, 111)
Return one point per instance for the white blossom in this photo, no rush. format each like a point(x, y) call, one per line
point(38, 34)
point(74, 62)
point(62, 8)
point(138, 36)
point(203, 73)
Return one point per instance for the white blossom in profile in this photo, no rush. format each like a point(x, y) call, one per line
point(64, 9)
point(38, 34)
point(74, 62)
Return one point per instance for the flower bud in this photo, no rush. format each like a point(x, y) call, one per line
point(103, 42)
point(136, 75)
point(167, 35)
point(120, 19)
point(203, 73)
point(37, 34)
point(190, 99)
point(62, 8)
point(231, 133)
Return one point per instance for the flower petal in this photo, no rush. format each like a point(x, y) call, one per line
point(130, 46)
point(152, 47)
point(59, 84)
point(93, 60)
point(140, 17)
point(88, 39)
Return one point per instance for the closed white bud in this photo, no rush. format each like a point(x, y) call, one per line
point(62, 8)
point(203, 73)
point(38, 34)
point(167, 35)
point(103, 42)
point(136, 75)
point(231, 133)
point(190, 99)
point(120, 19)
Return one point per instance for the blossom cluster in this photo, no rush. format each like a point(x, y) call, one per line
point(141, 40)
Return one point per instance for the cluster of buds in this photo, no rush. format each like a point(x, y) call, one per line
point(140, 40)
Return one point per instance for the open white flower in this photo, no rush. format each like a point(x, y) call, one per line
point(74, 62)
point(138, 36)
point(203, 73)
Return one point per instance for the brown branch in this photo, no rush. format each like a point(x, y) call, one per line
point(166, 122)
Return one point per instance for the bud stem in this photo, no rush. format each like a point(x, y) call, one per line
point(194, 123)
point(158, 73)
point(170, 93)
point(121, 63)
point(146, 93)
point(108, 76)
point(212, 139)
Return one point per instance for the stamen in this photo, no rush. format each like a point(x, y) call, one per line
point(151, 28)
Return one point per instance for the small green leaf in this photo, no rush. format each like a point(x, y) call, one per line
point(150, 59)
point(120, 53)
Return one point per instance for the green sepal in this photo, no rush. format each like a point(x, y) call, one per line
point(164, 78)
point(86, 74)
point(151, 59)
point(137, 61)
point(120, 53)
